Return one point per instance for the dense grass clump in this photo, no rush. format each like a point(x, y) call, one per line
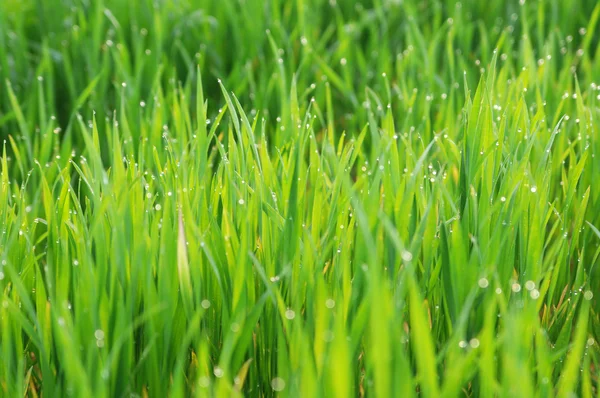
point(299, 198)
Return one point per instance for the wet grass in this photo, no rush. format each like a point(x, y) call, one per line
point(303, 198)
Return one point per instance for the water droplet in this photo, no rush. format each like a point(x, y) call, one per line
point(530, 285)
point(328, 336)
point(278, 384)
point(290, 314)
point(204, 381)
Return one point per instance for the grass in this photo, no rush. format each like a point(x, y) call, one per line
point(299, 198)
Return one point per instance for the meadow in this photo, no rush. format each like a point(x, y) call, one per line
point(309, 198)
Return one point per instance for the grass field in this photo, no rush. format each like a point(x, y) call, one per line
point(302, 198)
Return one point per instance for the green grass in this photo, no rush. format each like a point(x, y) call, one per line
point(300, 198)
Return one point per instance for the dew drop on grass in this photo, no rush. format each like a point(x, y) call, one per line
point(330, 303)
point(278, 384)
point(534, 294)
point(534, 189)
point(406, 255)
point(218, 372)
point(290, 314)
point(205, 304)
point(462, 344)
point(474, 342)
point(516, 287)
point(530, 285)
point(328, 336)
point(588, 295)
point(241, 201)
point(483, 283)
point(204, 381)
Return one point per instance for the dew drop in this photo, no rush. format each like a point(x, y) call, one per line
point(278, 384)
point(290, 314)
point(218, 372)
